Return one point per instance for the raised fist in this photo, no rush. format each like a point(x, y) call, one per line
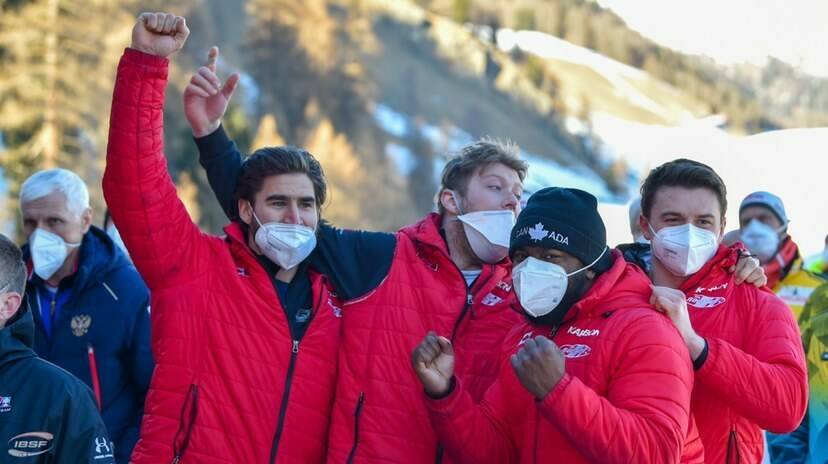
point(205, 98)
point(539, 365)
point(159, 34)
point(433, 361)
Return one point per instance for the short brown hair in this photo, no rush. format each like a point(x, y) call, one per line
point(682, 173)
point(12, 267)
point(459, 170)
point(272, 161)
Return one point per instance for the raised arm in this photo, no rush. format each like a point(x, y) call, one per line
point(141, 196)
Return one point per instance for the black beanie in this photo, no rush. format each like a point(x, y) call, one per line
point(563, 219)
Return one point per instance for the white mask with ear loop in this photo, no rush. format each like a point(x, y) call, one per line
point(540, 285)
point(49, 252)
point(761, 239)
point(487, 232)
point(285, 244)
point(684, 249)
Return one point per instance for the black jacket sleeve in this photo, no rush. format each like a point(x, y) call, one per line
point(220, 157)
point(355, 262)
point(83, 437)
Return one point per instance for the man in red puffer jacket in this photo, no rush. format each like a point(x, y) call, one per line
point(597, 374)
point(744, 342)
point(244, 333)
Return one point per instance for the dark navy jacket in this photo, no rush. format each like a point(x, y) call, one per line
point(47, 416)
point(100, 332)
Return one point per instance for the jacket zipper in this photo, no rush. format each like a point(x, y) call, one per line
point(733, 447)
point(185, 426)
point(357, 412)
point(469, 302)
point(294, 353)
point(93, 371)
point(537, 433)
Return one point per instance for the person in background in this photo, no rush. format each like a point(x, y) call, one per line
point(90, 307)
point(808, 444)
point(639, 250)
point(819, 265)
point(763, 226)
point(47, 415)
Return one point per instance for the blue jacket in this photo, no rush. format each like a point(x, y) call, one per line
point(47, 416)
point(100, 332)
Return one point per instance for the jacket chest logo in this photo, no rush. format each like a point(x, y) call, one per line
point(5, 403)
point(583, 332)
point(575, 351)
point(80, 325)
point(705, 302)
point(497, 295)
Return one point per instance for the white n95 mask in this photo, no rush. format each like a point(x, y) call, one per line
point(684, 249)
point(49, 252)
point(540, 286)
point(761, 239)
point(488, 233)
point(285, 244)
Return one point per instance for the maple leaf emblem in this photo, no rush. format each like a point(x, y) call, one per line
point(538, 233)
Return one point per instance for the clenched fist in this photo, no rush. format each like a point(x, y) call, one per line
point(159, 34)
point(433, 361)
point(539, 365)
point(673, 303)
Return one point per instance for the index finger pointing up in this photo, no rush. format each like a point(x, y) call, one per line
point(212, 58)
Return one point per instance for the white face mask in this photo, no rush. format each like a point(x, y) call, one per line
point(641, 239)
point(49, 252)
point(487, 232)
point(761, 239)
point(684, 249)
point(540, 286)
point(285, 244)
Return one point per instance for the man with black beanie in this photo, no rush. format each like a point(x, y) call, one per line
point(596, 374)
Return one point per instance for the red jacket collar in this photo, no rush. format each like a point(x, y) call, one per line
point(780, 265)
point(716, 271)
point(621, 286)
point(428, 233)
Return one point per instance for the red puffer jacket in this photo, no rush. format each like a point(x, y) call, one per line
point(380, 414)
point(625, 397)
point(231, 383)
point(754, 377)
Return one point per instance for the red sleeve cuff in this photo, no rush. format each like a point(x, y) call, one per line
point(145, 59)
point(547, 405)
point(445, 404)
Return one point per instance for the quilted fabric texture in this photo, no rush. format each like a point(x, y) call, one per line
point(625, 396)
point(754, 378)
point(220, 337)
point(380, 414)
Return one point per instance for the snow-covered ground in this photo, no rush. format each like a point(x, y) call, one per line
point(790, 163)
point(543, 172)
point(618, 74)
